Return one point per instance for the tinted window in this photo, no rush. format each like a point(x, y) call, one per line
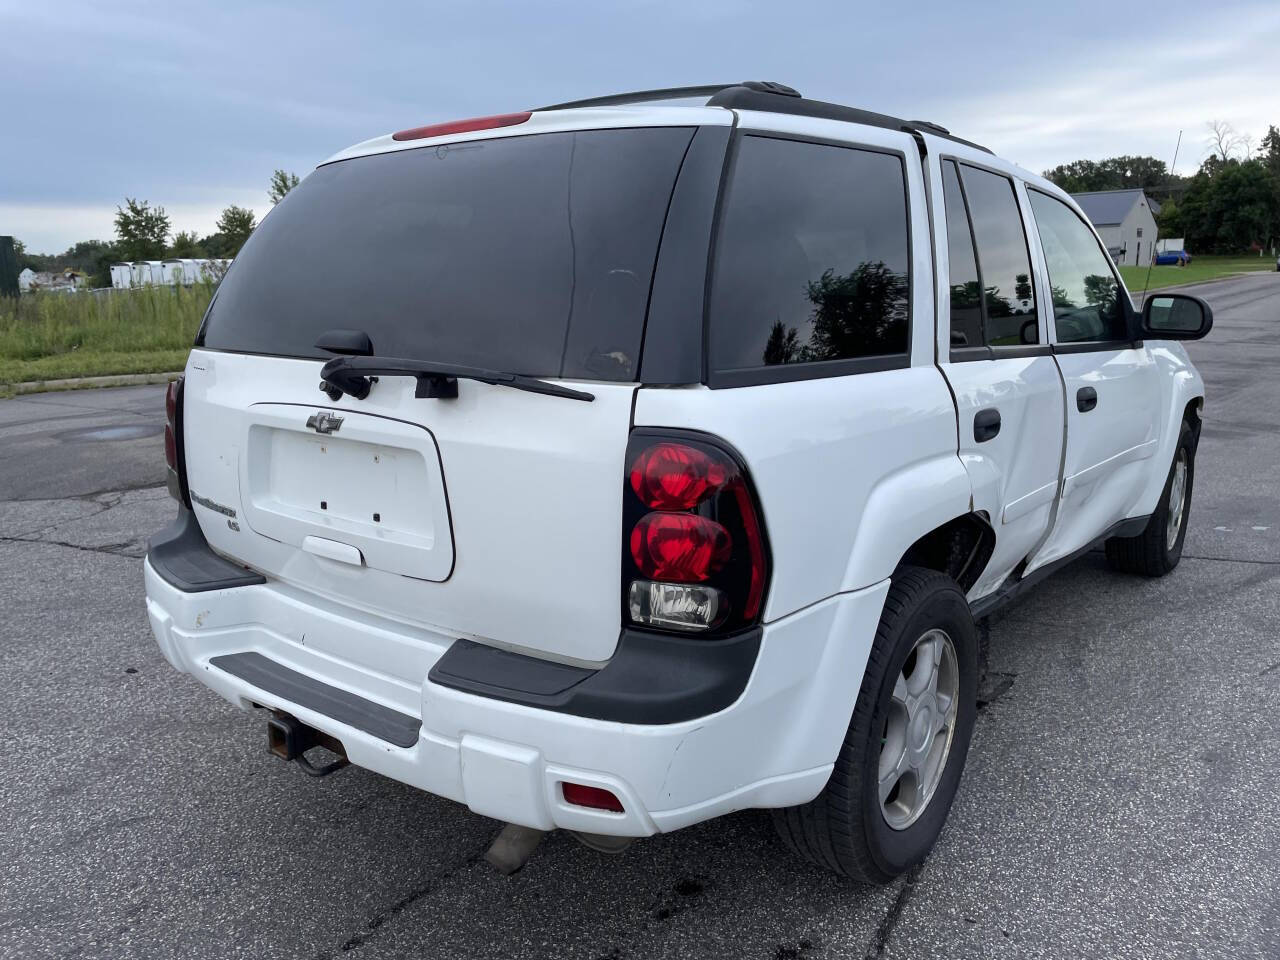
point(531, 254)
point(812, 257)
point(1003, 260)
point(1086, 294)
point(966, 289)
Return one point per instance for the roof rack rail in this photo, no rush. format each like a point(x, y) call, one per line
point(771, 97)
point(674, 93)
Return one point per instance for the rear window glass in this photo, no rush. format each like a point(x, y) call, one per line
point(529, 254)
point(811, 262)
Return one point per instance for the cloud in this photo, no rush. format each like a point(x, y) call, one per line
point(191, 106)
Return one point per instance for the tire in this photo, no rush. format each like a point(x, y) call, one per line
point(846, 828)
point(1157, 550)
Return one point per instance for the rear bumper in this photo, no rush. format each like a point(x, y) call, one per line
point(773, 746)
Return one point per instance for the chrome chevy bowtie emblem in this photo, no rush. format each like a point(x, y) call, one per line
point(324, 422)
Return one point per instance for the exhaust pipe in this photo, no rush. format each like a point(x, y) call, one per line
point(289, 739)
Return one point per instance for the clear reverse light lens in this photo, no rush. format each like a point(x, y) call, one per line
point(681, 606)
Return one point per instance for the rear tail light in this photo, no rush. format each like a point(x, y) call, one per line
point(694, 551)
point(597, 798)
point(173, 458)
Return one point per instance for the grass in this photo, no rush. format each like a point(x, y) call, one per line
point(49, 336)
point(1198, 270)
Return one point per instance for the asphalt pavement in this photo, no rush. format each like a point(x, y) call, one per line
point(1121, 797)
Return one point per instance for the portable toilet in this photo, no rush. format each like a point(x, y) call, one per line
point(121, 276)
point(150, 271)
point(173, 272)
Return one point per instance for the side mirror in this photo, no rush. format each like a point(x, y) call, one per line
point(1176, 316)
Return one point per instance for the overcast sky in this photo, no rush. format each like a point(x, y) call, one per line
point(192, 106)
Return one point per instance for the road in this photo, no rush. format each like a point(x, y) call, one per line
point(1120, 799)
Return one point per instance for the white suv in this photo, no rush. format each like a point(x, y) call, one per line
point(622, 464)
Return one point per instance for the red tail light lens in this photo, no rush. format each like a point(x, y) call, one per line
point(676, 476)
point(679, 547)
point(695, 556)
point(173, 441)
point(462, 126)
point(595, 797)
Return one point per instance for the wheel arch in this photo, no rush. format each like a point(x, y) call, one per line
point(960, 548)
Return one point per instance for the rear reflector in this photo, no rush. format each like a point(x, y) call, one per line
point(462, 126)
point(597, 798)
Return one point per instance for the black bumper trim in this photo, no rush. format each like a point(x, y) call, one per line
point(183, 558)
point(651, 679)
point(298, 688)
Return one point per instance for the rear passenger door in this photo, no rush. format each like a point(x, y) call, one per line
point(1112, 385)
point(1008, 391)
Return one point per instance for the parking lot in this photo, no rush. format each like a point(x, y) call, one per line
point(1120, 798)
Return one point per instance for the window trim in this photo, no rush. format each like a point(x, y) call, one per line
point(981, 351)
point(814, 370)
point(1086, 346)
point(987, 351)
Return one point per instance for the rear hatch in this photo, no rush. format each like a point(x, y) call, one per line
point(495, 515)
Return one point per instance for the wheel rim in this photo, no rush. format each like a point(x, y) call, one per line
point(1177, 499)
point(919, 729)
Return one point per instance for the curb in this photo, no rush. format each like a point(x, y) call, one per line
point(81, 383)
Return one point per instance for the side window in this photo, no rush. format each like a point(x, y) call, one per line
point(1004, 263)
point(1086, 294)
point(966, 287)
point(812, 259)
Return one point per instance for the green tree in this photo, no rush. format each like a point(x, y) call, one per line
point(185, 244)
point(1114, 173)
point(1230, 206)
point(141, 231)
point(1269, 150)
point(281, 183)
point(235, 225)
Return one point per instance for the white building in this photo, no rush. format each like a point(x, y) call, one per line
point(1125, 220)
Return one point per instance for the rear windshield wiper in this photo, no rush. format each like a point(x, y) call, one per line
point(351, 375)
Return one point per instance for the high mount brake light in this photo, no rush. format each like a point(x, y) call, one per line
point(462, 126)
point(694, 552)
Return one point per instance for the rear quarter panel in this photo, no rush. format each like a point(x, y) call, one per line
point(850, 471)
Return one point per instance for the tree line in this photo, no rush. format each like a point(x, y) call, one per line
point(144, 232)
point(1230, 205)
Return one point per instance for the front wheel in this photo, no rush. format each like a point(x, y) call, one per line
point(1157, 550)
point(900, 764)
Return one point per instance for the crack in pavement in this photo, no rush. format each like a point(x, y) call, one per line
point(110, 549)
point(890, 920)
point(376, 922)
point(151, 485)
point(1267, 563)
point(105, 500)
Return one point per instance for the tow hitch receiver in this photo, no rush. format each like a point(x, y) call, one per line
point(289, 739)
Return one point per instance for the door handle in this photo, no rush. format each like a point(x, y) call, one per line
point(986, 424)
point(1086, 399)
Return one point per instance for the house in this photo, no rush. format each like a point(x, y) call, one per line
point(1125, 220)
point(25, 279)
